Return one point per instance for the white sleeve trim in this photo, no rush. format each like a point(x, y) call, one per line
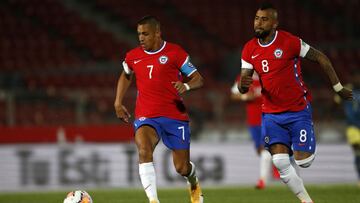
point(246, 65)
point(126, 68)
point(186, 60)
point(192, 72)
point(304, 48)
point(234, 89)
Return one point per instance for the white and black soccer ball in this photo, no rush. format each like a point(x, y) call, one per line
point(78, 196)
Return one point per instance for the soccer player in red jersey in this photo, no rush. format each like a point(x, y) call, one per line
point(253, 119)
point(160, 113)
point(287, 126)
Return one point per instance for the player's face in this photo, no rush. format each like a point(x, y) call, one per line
point(148, 37)
point(265, 21)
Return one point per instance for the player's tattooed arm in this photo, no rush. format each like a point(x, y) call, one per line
point(245, 80)
point(319, 57)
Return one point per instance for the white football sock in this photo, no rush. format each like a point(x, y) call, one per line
point(296, 167)
point(289, 177)
point(192, 178)
point(148, 180)
point(265, 165)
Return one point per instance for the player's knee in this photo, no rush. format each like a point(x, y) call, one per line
point(182, 168)
point(305, 163)
point(145, 155)
point(281, 162)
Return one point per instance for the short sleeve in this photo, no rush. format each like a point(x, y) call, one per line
point(304, 48)
point(246, 58)
point(126, 68)
point(127, 65)
point(181, 57)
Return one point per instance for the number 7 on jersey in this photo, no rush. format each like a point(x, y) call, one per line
point(150, 71)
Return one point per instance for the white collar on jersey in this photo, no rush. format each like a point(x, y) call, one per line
point(157, 51)
point(273, 40)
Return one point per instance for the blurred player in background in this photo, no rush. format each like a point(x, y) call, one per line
point(287, 126)
point(352, 114)
point(160, 113)
point(253, 119)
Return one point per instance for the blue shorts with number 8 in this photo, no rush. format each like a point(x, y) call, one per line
point(293, 129)
point(175, 134)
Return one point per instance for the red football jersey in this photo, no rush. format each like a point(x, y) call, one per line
point(154, 72)
point(278, 66)
point(253, 107)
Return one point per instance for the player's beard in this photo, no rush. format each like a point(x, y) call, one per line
point(263, 34)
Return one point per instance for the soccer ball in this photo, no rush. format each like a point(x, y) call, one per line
point(78, 196)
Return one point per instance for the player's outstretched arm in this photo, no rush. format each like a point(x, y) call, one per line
point(245, 80)
point(122, 86)
point(323, 60)
point(196, 81)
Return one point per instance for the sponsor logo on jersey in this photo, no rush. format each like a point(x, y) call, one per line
point(163, 59)
point(137, 61)
point(278, 53)
point(254, 56)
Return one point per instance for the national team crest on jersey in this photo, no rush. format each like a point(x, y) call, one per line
point(278, 53)
point(163, 59)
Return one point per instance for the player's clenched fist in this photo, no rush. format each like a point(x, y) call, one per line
point(346, 94)
point(245, 83)
point(179, 86)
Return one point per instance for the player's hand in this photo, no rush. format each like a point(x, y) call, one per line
point(346, 94)
point(179, 86)
point(245, 83)
point(122, 112)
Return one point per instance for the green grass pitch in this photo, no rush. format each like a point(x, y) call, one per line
point(278, 194)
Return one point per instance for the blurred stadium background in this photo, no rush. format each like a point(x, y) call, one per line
point(60, 61)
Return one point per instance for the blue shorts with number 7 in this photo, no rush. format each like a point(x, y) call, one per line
point(175, 134)
point(293, 129)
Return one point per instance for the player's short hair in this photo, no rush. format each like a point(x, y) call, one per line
point(151, 20)
point(266, 5)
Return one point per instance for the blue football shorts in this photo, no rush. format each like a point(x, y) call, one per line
point(175, 134)
point(293, 129)
point(255, 132)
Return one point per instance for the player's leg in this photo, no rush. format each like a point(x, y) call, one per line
point(303, 140)
point(265, 156)
point(353, 137)
point(187, 169)
point(278, 141)
point(288, 175)
point(356, 149)
point(146, 139)
point(177, 138)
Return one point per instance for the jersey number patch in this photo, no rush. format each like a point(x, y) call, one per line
point(150, 70)
point(265, 66)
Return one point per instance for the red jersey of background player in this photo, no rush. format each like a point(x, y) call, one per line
point(154, 72)
point(278, 66)
point(253, 106)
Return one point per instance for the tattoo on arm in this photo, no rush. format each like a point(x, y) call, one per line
point(313, 54)
point(247, 72)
